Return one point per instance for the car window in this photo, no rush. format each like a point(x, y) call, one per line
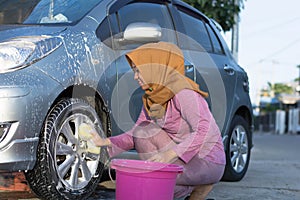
point(151, 13)
point(217, 47)
point(44, 11)
point(197, 36)
point(107, 28)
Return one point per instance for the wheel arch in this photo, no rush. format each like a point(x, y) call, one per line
point(93, 97)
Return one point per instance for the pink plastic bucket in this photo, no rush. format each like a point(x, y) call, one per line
point(144, 180)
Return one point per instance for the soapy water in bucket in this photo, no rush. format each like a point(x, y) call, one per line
point(145, 180)
point(142, 166)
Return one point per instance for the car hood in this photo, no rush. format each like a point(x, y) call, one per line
point(11, 31)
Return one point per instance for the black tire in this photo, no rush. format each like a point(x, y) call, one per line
point(64, 168)
point(238, 150)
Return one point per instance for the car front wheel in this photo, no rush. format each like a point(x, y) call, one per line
point(237, 150)
point(65, 169)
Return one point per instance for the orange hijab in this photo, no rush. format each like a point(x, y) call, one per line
point(162, 67)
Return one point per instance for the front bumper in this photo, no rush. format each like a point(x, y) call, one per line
point(23, 109)
point(19, 155)
point(16, 147)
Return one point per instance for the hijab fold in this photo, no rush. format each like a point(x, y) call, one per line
point(162, 67)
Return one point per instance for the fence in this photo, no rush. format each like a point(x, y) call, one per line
point(279, 121)
point(294, 123)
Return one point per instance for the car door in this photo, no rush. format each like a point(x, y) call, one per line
point(127, 96)
point(107, 84)
point(213, 70)
point(228, 71)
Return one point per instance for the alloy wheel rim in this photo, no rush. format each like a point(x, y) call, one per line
point(74, 164)
point(239, 148)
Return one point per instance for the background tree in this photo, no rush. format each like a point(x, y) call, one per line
point(222, 11)
point(280, 88)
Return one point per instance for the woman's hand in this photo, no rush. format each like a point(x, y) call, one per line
point(88, 133)
point(100, 142)
point(165, 157)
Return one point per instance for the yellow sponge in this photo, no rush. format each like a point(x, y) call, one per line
point(92, 148)
point(84, 131)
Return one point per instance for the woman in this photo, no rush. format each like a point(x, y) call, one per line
point(175, 124)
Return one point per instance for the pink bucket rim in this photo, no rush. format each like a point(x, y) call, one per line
point(144, 165)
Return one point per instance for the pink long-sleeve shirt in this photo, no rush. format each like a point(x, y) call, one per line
point(189, 123)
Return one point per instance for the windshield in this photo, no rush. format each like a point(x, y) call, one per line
point(44, 11)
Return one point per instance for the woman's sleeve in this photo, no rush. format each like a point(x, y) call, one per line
point(124, 141)
point(194, 110)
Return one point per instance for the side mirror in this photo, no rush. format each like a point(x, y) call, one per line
point(142, 32)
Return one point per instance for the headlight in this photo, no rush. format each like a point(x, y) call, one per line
point(4, 128)
point(22, 51)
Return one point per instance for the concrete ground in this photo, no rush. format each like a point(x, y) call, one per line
point(273, 173)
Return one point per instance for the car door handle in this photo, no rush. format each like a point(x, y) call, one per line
point(189, 68)
point(229, 69)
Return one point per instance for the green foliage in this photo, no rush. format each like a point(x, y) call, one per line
point(269, 108)
point(222, 11)
point(280, 88)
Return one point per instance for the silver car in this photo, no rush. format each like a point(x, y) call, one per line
point(62, 64)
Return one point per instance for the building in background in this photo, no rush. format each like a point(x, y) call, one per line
point(278, 108)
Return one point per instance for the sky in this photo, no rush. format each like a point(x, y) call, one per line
point(269, 42)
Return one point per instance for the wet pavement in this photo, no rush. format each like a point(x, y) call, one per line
point(273, 174)
point(101, 193)
point(104, 191)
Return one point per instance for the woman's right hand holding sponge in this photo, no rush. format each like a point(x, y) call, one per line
point(88, 133)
